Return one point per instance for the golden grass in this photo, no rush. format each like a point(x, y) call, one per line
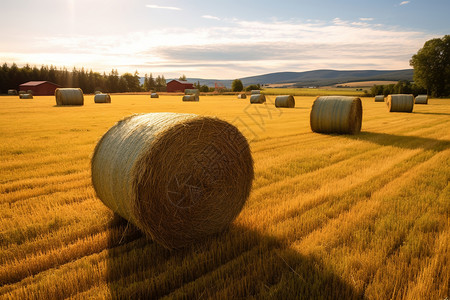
point(329, 216)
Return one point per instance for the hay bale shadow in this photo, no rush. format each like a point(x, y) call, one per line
point(237, 263)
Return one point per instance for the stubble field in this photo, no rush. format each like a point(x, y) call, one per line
point(329, 216)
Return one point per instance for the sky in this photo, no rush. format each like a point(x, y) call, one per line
point(218, 39)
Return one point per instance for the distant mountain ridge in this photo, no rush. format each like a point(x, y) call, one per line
point(315, 78)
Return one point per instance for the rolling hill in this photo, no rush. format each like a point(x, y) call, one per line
point(315, 78)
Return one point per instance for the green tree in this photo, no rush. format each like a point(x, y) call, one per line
point(182, 78)
point(237, 86)
point(253, 87)
point(432, 66)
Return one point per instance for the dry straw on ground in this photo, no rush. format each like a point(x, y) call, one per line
point(400, 103)
point(191, 95)
point(69, 96)
point(102, 98)
point(379, 98)
point(26, 96)
point(177, 177)
point(336, 114)
point(242, 96)
point(257, 98)
point(421, 99)
point(154, 95)
point(285, 101)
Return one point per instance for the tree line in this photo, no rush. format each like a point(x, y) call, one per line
point(401, 87)
point(12, 76)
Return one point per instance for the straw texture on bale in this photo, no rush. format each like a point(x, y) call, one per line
point(242, 96)
point(30, 92)
point(336, 114)
point(69, 96)
point(26, 96)
point(12, 92)
point(154, 95)
point(102, 98)
point(257, 98)
point(256, 92)
point(177, 189)
point(285, 101)
point(421, 99)
point(379, 98)
point(22, 92)
point(400, 103)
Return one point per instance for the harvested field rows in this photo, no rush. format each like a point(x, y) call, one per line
point(364, 216)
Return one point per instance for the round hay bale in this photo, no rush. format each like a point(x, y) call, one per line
point(336, 114)
point(176, 189)
point(421, 99)
point(98, 92)
point(102, 98)
point(257, 98)
point(400, 103)
point(22, 92)
point(191, 98)
point(12, 92)
point(25, 96)
point(379, 98)
point(256, 92)
point(242, 96)
point(30, 92)
point(285, 101)
point(154, 95)
point(69, 96)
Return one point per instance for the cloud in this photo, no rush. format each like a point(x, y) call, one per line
point(366, 19)
point(404, 2)
point(162, 7)
point(210, 17)
point(237, 48)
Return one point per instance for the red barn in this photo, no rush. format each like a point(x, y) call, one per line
point(174, 86)
point(39, 88)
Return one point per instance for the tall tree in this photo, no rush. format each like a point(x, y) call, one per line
point(432, 66)
point(237, 86)
point(182, 78)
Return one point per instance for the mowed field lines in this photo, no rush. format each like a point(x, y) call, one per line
point(329, 216)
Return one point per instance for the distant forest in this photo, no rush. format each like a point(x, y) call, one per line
point(12, 76)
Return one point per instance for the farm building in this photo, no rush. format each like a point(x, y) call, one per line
point(174, 86)
point(39, 88)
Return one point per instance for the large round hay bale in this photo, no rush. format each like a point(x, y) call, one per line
point(336, 114)
point(191, 95)
point(400, 103)
point(30, 92)
point(12, 92)
point(26, 96)
point(421, 99)
point(102, 98)
point(69, 96)
point(98, 92)
point(154, 95)
point(191, 98)
point(379, 98)
point(257, 98)
point(242, 96)
point(285, 101)
point(22, 92)
point(177, 189)
point(256, 92)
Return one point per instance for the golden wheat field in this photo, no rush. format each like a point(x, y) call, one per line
point(329, 216)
